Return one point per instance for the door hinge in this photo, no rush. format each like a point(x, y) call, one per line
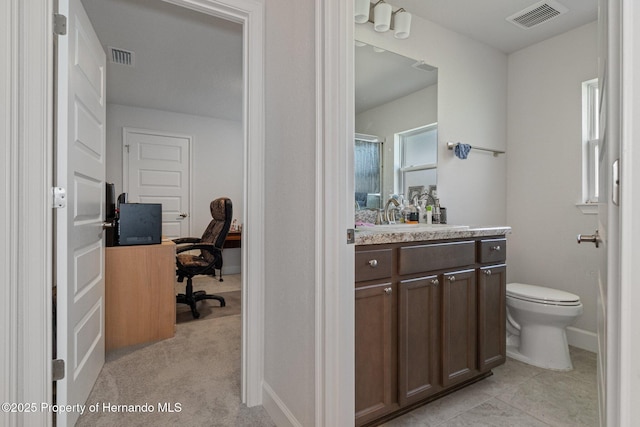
point(126, 147)
point(615, 182)
point(57, 369)
point(351, 236)
point(58, 197)
point(59, 24)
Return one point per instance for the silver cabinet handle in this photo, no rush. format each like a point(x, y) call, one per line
point(435, 282)
point(451, 278)
point(590, 238)
point(388, 291)
point(495, 248)
point(487, 272)
point(373, 263)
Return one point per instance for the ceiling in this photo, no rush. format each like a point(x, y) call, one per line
point(191, 63)
point(485, 20)
point(402, 76)
point(185, 62)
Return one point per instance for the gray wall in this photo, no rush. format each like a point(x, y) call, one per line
point(289, 366)
point(545, 167)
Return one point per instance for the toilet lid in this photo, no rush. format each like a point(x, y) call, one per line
point(541, 294)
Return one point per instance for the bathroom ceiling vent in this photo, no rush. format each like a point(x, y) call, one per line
point(121, 56)
point(537, 14)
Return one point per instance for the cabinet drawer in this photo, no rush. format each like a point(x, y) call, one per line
point(371, 265)
point(437, 256)
point(492, 250)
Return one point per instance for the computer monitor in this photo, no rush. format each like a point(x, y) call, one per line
point(139, 224)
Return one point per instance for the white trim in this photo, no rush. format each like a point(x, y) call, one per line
point(251, 14)
point(588, 208)
point(26, 88)
point(580, 338)
point(334, 214)
point(275, 407)
point(629, 342)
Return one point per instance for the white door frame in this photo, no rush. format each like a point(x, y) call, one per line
point(628, 345)
point(249, 13)
point(26, 127)
point(335, 298)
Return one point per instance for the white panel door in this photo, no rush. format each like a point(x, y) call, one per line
point(157, 170)
point(80, 169)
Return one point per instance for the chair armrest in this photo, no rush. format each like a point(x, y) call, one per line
point(202, 246)
point(183, 240)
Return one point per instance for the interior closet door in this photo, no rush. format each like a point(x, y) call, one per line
point(80, 170)
point(157, 169)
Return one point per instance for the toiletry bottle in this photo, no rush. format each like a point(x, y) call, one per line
point(421, 212)
point(436, 212)
point(429, 215)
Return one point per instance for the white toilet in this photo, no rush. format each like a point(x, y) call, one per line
point(536, 322)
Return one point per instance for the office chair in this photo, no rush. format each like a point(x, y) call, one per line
point(210, 257)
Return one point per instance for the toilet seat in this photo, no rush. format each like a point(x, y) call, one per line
point(541, 295)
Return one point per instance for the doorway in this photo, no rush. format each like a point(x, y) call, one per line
point(248, 157)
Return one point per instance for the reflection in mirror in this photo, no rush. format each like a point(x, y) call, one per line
point(396, 126)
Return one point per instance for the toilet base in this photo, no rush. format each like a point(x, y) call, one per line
point(558, 359)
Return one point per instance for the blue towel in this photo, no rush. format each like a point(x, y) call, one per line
point(462, 150)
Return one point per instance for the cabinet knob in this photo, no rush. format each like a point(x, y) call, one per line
point(495, 248)
point(451, 278)
point(435, 282)
point(373, 263)
point(388, 291)
point(487, 272)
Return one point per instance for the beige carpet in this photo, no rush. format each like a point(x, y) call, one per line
point(196, 373)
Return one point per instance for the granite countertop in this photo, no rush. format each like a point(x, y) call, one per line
point(396, 233)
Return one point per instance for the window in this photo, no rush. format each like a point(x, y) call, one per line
point(418, 157)
point(590, 141)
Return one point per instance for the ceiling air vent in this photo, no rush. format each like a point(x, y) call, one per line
point(537, 14)
point(121, 56)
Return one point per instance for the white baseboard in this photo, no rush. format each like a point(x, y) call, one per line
point(232, 269)
point(582, 339)
point(277, 410)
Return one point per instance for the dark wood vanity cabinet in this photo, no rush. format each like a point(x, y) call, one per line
point(492, 294)
point(459, 326)
point(430, 317)
point(375, 335)
point(419, 334)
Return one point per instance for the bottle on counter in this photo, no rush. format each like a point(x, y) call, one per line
point(429, 215)
point(436, 212)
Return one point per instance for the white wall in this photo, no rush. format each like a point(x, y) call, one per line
point(217, 160)
point(472, 100)
point(544, 167)
point(409, 112)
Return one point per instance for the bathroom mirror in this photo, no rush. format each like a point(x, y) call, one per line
point(396, 125)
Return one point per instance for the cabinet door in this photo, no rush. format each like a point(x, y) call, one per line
point(492, 284)
point(376, 351)
point(418, 339)
point(458, 326)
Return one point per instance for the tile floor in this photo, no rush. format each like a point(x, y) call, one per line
point(518, 395)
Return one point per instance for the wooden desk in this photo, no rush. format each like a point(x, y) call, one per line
point(140, 300)
point(233, 240)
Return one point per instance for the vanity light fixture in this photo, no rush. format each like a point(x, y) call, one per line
point(402, 23)
point(384, 18)
point(361, 11)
